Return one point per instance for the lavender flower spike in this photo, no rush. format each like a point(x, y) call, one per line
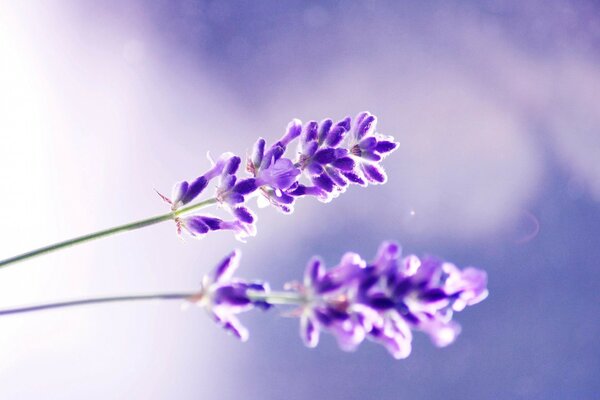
point(331, 157)
point(384, 300)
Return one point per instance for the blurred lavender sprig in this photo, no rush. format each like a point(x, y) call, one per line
point(329, 156)
point(383, 301)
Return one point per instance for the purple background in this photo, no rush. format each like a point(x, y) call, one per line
point(497, 108)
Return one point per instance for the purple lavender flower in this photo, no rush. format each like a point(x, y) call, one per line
point(330, 156)
point(385, 300)
point(223, 296)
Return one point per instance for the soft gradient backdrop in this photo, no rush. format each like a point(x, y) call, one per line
point(497, 108)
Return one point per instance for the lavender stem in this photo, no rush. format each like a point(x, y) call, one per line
point(106, 232)
point(96, 300)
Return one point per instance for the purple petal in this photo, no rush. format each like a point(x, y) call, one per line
point(240, 229)
point(233, 326)
point(380, 302)
point(280, 175)
point(387, 256)
point(344, 163)
point(233, 296)
point(282, 198)
point(385, 146)
point(433, 295)
point(244, 215)
point(314, 271)
point(336, 135)
point(374, 173)
point(227, 267)
point(324, 156)
point(309, 331)
point(194, 189)
point(245, 186)
point(324, 129)
point(302, 190)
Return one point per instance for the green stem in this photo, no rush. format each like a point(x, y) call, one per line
point(277, 298)
point(107, 232)
point(96, 300)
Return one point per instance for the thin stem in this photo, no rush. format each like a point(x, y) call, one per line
point(95, 300)
point(274, 298)
point(107, 232)
point(277, 298)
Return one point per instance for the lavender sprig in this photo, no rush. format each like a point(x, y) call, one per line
point(383, 301)
point(331, 157)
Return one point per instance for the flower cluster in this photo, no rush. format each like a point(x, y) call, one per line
point(330, 157)
point(386, 299)
point(383, 301)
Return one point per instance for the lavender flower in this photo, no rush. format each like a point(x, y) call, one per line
point(330, 156)
point(223, 297)
point(383, 301)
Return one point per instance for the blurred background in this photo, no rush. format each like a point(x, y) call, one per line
point(496, 105)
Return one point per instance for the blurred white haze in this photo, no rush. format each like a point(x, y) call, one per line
point(98, 109)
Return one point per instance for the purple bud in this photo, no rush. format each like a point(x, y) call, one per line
point(344, 163)
point(385, 146)
point(324, 182)
point(324, 156)
point(194, 189)
point(244, 214)
point(345, 123)
point(179, 191)
point(336, 177)
point(309, 148)
point(354, 177)
point(324, 129)
point(311, 131)
point(245, 186)
point(366, 127)
point(370, 155)
point(257, 152)
point(232, 165)
point(374, 173)
point(368, 143)
point(314, 168)
point(336, 135)
point(196, 225)
point(293, 130)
